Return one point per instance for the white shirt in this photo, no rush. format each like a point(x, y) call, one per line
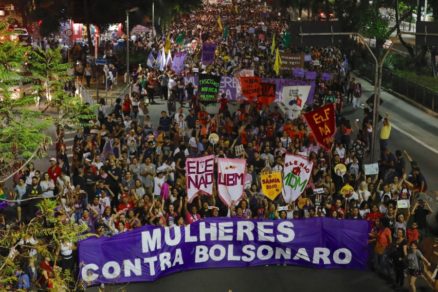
point(66, 249)
point(158, 182)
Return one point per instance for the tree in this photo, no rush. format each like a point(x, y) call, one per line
point(51, 74)
point(21, 127)
point(48, 231)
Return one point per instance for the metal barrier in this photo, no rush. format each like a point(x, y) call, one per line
point(417, 93)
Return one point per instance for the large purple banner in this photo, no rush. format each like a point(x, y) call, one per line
point(151, 252)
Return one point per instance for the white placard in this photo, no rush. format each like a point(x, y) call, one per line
point(371, 169)
point(403, 204)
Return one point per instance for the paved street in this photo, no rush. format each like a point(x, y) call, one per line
point(414, 131)
point(265, 279)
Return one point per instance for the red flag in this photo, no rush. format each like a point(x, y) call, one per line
point(250, 87)
point(267, 93)
point(323, 124)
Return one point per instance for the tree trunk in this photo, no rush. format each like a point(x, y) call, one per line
point(408, 47)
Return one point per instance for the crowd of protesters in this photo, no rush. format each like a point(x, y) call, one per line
point(128, 169)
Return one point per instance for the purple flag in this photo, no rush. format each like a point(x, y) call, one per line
point(311, 75)
point(326, 76)
point(178, 62)
point(208, 52)
point(107, 149)
point(298, 72)
point(151, 252)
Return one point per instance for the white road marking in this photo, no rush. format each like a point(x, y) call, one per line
point(415, 139)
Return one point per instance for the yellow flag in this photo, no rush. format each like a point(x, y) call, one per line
point(236, 9)
point(167, 45)
point(219, 23)
point(277, 63)
point(272, 184)
point(273, 45)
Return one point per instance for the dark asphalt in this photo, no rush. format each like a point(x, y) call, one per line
point(265, 279)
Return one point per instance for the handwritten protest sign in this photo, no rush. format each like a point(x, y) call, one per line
point(323, 124)
point(231, 179)
point(239, 150)
point(272, 184)
point(290, 61)
point(371, 169)
point(199, 176)
point(296, 175)
point(267, 93)
point(250, 87)
point(403, 204)
point(209, 87)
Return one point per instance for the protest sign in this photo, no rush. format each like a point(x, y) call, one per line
point(290, 61)
point(293, 100)
point(228, 87)
point(178, 62)
point(230, 179)
point(151, 252)
point(323, 124)
point(208, 53)
point(295, 95)
point(199, 176)
point(245, 73)
point(371, 169)
point(403, 204)
point(250, 87)
point(272, 184)
point(208, 87)
point(239, 150)
point(296, 175)
point(282, 82)
point(267, 93)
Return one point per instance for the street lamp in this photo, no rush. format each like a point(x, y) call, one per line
point(127, 42)
point(153, 18)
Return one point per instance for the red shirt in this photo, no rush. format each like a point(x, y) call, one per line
point(123, 206)
point(224, 103)
point(373, 216)
point(54, 172)
point(383, 240)
point(412, 235)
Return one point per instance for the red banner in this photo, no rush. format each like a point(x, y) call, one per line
point(250, 87)
point(323, 124)
point(267, 93)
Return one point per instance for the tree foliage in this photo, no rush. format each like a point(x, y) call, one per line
point(21, 127)
point(48, 230)
point(24, 74)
